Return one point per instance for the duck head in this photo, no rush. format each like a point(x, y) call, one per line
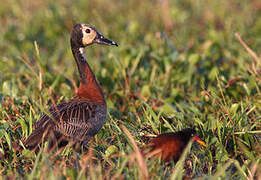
point(84, 35)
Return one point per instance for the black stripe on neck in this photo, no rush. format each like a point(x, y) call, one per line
point(81, 62)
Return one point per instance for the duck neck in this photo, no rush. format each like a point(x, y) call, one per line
point(89, 88)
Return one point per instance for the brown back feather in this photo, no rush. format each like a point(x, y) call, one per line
point(78, 121)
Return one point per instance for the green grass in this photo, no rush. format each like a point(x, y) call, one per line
point(178, 65)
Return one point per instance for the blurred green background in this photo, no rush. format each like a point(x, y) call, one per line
point(178, 65)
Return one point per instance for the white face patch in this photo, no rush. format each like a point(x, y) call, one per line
point(89, 34)
point(82, 50)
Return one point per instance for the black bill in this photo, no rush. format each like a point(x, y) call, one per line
point(100, 39)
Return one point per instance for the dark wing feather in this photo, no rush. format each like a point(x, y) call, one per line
point(76, 120)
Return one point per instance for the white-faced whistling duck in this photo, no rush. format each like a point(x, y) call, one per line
point(171, 145)
point(78, 120)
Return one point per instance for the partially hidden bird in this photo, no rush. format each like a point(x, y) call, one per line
point(170, 146)
point(76, 121)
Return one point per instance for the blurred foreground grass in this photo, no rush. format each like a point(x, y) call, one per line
point(178, 65)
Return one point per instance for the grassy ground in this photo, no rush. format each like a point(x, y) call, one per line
point(179, 64)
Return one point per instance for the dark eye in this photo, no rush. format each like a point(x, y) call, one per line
point(87, 31)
